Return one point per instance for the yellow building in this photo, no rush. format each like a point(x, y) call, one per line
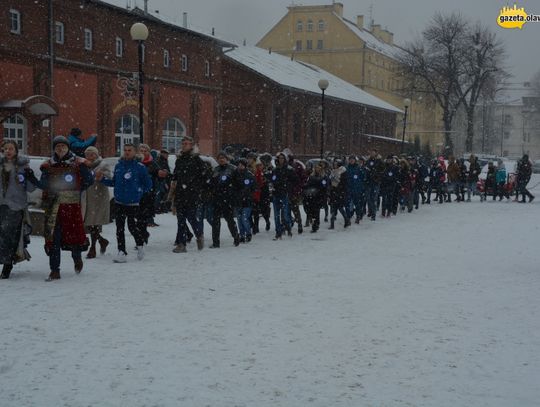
point(321, 36)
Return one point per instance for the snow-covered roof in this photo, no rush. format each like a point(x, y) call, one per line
point(303, 76)
point(512, 94)
point(371, 41)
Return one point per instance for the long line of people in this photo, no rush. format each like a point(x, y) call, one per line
point(76, 195)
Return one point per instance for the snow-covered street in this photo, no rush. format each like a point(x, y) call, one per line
point(436, 308)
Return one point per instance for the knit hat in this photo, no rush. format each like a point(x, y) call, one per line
point(75, 131)
point(92, 149)
point(60, 140)
point(222, 154)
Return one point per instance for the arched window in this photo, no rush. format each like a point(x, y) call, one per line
point(15, 130)
point(127, 131)
point(299, 26)
point(173, 133)
point(309, 27)
point(321, 25)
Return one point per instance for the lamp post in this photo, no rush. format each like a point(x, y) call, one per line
point(139, 33)
point(323, 85)
point(406, 104)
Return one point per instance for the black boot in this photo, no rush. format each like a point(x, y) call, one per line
point(6, 271)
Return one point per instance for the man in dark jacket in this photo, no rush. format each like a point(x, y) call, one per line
point(189, 178)
point(524, 171)
point(224, 194)
point(375, 168)
point(356, 184)
point(282, 180)
point(244, 182)
point(296, 190)
point(77, 144)
point(388, 186)
point(472, 176)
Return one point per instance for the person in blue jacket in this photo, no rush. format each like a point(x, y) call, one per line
point(77, 144)
point(356, 179)
point(130, 181)
point(500, 180)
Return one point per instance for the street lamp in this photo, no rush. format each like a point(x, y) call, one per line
point(323, 85)
point(139, 33)
point(406, 104)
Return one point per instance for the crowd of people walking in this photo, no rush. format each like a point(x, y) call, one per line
point(75, 182)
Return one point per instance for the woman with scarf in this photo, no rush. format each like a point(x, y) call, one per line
point(63, 177)
point(96, 203)
point(16, 180)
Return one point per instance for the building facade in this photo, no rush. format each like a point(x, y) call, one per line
point(272, 102)
point(72, 63)
point(320, 35)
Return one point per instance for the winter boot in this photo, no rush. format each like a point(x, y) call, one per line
point(140, 253)
point(180, 248)
point(103, 243)
point(121, 258)
point(300, 229)
point(236, 241)
point(267, 228)
point(200, 243)
point(54, 275)
point(215, 245)
point(78, 264)
point(242, 240)
point(6, 271)
point(91, 253)
point(332, 220)
point(357, 220)
point(531, 198)
point(347, 222)
point(277, 237)
point(248, 238)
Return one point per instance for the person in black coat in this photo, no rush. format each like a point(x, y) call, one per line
point(189, 179)
point(282, 180)
point(388, 186)
point(244, 182)
point(224, 199)
point(338, 193)
point(315, 195)
point(375, 168)
point(524, 171)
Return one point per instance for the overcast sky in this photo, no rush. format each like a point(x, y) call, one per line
point(251, 19)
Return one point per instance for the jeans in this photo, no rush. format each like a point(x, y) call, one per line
point(355, 204)
point(471, 188)
point(281, 211)
point(372, 197)
point(55, 250)
point(193, 216)
point(244, 221)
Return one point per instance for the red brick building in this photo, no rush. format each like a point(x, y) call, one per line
point(272, 102)
point(71, 63)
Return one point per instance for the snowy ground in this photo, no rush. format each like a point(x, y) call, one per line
point(436, 308)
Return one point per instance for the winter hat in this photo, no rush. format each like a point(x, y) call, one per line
point(222, 154)
point(243, 161)
point(92, 149)
point(75, 131)
point(60, 140)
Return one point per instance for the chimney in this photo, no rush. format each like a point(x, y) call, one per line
point(145, 6)
point(360, 22)
point(213, 31)
point(338, 9)
point(184, 23)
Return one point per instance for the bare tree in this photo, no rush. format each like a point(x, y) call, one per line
point(434, 64)
point(483, 68)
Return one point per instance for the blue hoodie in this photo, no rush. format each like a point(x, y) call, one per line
point(78, 145)
point(130, 181)
point(500, 176)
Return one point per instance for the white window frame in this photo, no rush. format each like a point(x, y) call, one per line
point(119, 46)
point(122, 136)
point(172, 136)
point(321, 25)
point(309, 26)
point(185, 63)
point(309, 44)
point(299, 26)
point(15, 16)
point(166, 59)
point(16, 125)
point(88, 39)
point(207, 69)
point(59, 32)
